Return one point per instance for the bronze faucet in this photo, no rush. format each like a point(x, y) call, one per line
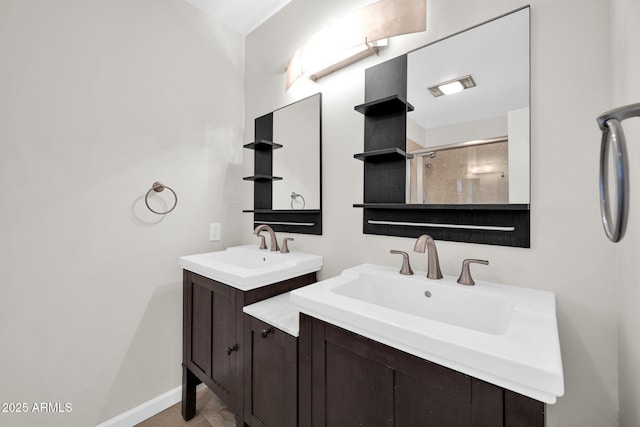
point(272, 235)
point(426, 243)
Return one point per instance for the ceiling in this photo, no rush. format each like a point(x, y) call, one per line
point(495, 54)
point(243, 16)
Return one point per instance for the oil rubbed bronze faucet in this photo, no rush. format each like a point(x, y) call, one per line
point(426, 243)
point(272, 235)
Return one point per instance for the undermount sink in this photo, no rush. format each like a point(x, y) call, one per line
point(505, 335)
point(247, 267)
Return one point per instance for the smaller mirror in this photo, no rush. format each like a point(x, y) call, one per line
point(297, 128)
point(287, 179)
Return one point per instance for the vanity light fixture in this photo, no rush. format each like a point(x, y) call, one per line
point(355, 36)
point(348, 57)
point(452, 86)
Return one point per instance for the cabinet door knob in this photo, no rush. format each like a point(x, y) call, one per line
point(232, 349)
point(265, 332)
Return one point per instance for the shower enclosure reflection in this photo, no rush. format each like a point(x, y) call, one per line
point(473, 174)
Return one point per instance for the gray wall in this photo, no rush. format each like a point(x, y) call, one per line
point(99, 100)
point(571, 84)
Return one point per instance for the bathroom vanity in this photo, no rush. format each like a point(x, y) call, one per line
point(379, 348)
point(216, 287)
point(369, 347)
point(338, 378)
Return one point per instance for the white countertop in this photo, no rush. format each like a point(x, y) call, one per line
point(247, 267)
point(277, 311)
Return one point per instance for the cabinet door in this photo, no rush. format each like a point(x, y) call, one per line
point(271, 375)
point(210, 334)
point(346, 379)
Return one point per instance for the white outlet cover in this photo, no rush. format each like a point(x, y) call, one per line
point(214, 232)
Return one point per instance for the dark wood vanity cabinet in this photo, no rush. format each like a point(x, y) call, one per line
point(213, 337)
point(210, 351)
point(349, 380)
point(271, 376)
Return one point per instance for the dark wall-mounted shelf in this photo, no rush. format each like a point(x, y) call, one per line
point(392, 103)
point(262, 178)
point(383, 154)
point(262, 145)
point(385, 131)
point(497, 226)
point(284, 211)
point(403, 206)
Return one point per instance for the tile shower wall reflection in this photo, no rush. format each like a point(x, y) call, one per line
point(470, 175)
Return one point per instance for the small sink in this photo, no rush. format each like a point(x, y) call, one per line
point(505, 335)
point(455, 305)
point(247, 267)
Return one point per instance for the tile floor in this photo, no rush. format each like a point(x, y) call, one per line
point(210, 412)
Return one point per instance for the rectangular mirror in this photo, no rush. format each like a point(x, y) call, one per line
point(471, 146)
point(297, 128)
point(446, 138)
point(287, 179)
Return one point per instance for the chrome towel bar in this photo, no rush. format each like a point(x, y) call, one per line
point(304, 224)
point(613, 135)
point(439, 225)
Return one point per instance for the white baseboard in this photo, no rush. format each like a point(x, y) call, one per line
point(147, 409)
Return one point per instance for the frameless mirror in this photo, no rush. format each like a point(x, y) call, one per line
point(297, 128)
point(471, 147)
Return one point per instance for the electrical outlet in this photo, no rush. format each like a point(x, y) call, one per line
point(214, 232)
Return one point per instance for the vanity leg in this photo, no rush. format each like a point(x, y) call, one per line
point(189, 383)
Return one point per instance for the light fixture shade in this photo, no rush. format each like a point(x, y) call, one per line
point(452, 86)
point(355, 36)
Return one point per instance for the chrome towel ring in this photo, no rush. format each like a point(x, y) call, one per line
point(613, 136)
point(295, 196)
point(158, 188)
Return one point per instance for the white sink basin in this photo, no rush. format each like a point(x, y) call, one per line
point(454, 305)
point(247, 267)
point(505, 335)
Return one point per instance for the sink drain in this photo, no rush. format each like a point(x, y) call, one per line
point(427, 294)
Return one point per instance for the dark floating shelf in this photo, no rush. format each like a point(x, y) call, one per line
point(384, 105)
point(415, 206)
point(383, 154)
point(283, 211)
point(262, 144)
point(262, 178)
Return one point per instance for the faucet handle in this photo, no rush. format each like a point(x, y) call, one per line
point(406, 265)
point(263, 244)
point(285, 246)
point(465, 275)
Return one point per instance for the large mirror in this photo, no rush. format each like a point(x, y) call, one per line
point(471, 146)
point(297, 128)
